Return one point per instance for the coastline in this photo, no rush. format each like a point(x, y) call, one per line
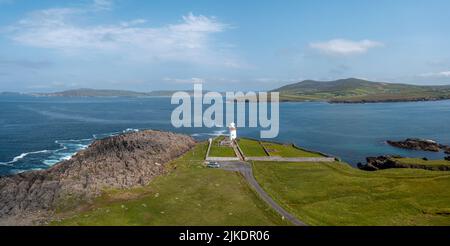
point(127, 161)
point(365, 101)
point(282, 98)
point(386, 101)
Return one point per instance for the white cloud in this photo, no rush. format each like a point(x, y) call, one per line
point(270, 80)
point(135, 22)
point(209, 80)
point(443, 74)
point(191, 40)
point(345, 47)
point(102, 4)
point(266, 80)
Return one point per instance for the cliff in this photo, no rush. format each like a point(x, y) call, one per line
point(124, 161)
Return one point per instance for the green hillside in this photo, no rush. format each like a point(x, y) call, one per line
point(357, 90)
point(86, 92)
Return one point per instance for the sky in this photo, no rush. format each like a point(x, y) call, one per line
point(54, 45)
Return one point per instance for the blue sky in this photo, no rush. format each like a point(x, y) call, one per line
point(52, 45)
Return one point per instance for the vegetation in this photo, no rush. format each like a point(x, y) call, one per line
point(287, 150)
point(421, 163)
point(357, 90)
point(189, 195)
point(251, 148)
point(218, 150)
point(337, 194)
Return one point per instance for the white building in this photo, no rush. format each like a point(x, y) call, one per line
point(233, 134)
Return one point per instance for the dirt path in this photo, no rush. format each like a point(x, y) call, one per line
point(246, 170)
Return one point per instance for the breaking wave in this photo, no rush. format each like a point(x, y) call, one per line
point(212, 134)
point(40, 159)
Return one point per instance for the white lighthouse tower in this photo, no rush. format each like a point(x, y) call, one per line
point(233, 134)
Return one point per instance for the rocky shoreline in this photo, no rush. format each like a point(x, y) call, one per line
point(379, 162)
point(420, 144)
point(391, 161)
point(118, 162)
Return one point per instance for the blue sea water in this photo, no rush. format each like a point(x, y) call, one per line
point(37, 132)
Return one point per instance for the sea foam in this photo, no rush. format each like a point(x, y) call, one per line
point(68, 148)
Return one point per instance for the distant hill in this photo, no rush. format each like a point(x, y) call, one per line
point(12, 94)
point(360, 91)
point(85, 92)
point(338, 91)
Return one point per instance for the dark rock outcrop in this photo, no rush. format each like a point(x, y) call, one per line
point(447, 158)
point(416, 144)
point(380, 162)
point(445, 148)
point(124, 161)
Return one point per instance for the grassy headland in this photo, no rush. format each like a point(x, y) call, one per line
point(189, 195)
point(316, 193)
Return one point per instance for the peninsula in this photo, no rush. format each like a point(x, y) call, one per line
point(354, 90)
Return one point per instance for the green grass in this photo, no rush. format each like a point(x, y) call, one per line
point(337, 194)
point(435, 165)
point(283, 150)
point(418, 161)
point(221, 151)
point(189, 195)
point(251, 148)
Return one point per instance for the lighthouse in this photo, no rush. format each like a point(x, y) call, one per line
point(233, 134)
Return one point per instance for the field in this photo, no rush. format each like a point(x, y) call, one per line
point(287, 150)
point(251, 147)
point(189, 195)
point(337, 194)
point(221, 151)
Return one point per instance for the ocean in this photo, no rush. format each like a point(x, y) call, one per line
point(38, 132)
